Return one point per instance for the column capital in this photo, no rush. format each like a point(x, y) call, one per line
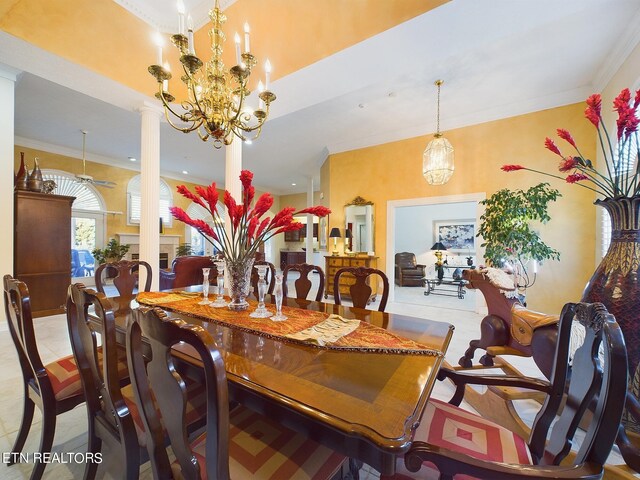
point(150, 107)
point(9, 73)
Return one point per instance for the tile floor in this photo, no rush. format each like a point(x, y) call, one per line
point(71, 427)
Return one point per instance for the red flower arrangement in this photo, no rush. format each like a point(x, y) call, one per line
point(248, 229)
point(621, 178)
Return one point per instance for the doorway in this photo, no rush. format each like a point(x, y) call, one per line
point(415, 226)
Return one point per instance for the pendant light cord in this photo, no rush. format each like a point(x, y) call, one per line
point(438, 84)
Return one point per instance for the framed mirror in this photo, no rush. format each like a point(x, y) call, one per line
point(359, 233)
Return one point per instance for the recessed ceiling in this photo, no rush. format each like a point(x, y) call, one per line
point(163, 14)
point(499, 58)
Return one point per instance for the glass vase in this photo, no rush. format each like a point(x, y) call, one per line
point(278, 293)
point(261, 311)
point(205, 287)
point(220, 301)
point(239, 273)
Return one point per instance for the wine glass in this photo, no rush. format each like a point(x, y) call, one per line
point(220, 301)
point(261, 311)
point(205, 287)
point(277, 291)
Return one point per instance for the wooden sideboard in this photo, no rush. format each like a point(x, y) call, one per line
point(333, 263)
point(291, 258)
point(42, 249)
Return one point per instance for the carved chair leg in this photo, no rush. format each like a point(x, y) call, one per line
point(46, 442)
point(487, 360)
point(467, 360)
point(25, 425)
point(354, 468)
point(94, 445)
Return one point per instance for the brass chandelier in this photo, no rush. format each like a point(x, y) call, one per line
point(216, 105)
point(437, 159)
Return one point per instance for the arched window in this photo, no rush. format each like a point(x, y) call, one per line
point(625, 163)
point(134, 202)
point(87, 221)
point(200, 246)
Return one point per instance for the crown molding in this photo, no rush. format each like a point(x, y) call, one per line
point(619, 54)
point(475, 118)
point(166, 20)
point(91, 157)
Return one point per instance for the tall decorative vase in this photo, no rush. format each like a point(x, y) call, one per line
point(616, 281)
point(22, 175)
point(239, 274)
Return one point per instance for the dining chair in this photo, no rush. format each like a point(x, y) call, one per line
point(238, 444)
point(270, 277)
point(111, 408)
point(303, 283)
point(54, 388)
point(589, 384)
point(126, 279)
point(360, 291)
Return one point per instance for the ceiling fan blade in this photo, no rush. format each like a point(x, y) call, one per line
point(104, 183)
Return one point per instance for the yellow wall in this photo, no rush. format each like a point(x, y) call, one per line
point(115, 198)
point(104, 37)
point(393, 171)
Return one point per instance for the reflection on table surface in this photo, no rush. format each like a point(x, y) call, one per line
point(362, 403)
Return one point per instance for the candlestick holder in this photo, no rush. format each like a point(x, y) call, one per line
point(205, 287)
point(277, 291)
point(261, 311)
point(220, 301)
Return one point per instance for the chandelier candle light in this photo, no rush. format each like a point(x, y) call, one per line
point(216, 105)
point(437, 159)
point(248, 229)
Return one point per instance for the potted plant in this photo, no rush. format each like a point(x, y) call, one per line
point(113, 252)
point(506, 227)
point(184, 250)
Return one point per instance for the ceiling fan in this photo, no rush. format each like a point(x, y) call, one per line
point(84, 178)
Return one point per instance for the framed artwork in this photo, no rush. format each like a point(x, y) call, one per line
point(457, 235)
point(323, 228)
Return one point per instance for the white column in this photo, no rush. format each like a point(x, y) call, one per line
point(233, 167)
point(150, 191)
point(7, 101)
point(309, 238)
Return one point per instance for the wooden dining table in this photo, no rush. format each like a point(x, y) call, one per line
point(365, 405)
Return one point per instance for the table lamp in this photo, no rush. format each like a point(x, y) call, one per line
point(438, 246)
point(335, 234)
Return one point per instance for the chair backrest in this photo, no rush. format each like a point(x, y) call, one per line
point(186, 271)
point(270, 277)
point(161, 381)
point(360, 291)
point(406, 260)
point(597, 382)
point(18, 310)
point(126, 279)
point(303, 283)
point(100, 379)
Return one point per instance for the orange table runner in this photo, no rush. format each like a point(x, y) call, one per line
point(365, 338)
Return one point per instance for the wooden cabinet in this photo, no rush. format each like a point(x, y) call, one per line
point(333, 263)
point(291, 258)
point(42, 249)
point(299, 235)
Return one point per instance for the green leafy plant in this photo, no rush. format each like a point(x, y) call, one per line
point(113, 252)
point(506, 227)
point(183, 250)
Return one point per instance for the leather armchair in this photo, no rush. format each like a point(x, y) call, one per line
point(187, 270)
point(408, 272)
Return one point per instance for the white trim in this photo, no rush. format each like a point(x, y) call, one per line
point(392, 205)
point(618, 55)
